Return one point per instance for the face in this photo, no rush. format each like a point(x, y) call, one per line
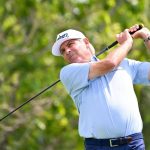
point(76, 51)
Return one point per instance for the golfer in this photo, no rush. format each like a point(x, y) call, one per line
point(102, 90)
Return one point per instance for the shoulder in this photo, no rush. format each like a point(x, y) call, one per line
point(130, 62)
point(74, 67)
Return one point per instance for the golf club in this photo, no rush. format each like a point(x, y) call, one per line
point(101, 52)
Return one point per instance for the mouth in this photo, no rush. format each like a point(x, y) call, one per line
point(71, 56)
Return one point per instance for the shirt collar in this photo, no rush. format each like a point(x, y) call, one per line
point(94, 58)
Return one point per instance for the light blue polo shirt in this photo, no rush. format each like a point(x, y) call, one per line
point(107, 105)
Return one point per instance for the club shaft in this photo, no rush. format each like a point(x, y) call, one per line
point(30, 100)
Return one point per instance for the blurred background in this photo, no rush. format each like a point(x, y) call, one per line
point(27, 31)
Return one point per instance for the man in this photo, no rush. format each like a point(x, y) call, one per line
point(102, 90)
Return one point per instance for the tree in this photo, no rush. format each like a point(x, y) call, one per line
point(28, 30)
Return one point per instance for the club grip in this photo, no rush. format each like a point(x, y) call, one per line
point(140, 27)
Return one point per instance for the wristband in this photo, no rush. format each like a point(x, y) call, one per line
point(147, 39)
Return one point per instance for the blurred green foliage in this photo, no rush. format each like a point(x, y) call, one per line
point(27, 32)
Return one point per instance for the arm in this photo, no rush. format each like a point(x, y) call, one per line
point(144, 34)
point(114, 58)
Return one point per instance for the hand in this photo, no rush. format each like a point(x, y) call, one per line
point(124, 37)
point(142, 33)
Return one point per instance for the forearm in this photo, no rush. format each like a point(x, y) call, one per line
point(125, 40)
point(145, 35)
point(119, 53)
point(112, 60)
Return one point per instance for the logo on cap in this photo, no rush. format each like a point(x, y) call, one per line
point(62, 36)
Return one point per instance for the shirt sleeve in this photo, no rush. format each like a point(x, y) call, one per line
point(75, 77)
point(140, 71)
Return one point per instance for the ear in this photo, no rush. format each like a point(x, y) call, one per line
point(89, 46)
point(86, 41)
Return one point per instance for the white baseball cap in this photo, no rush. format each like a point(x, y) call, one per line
point(64, 36)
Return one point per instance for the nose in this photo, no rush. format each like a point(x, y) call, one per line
point(68, 51)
